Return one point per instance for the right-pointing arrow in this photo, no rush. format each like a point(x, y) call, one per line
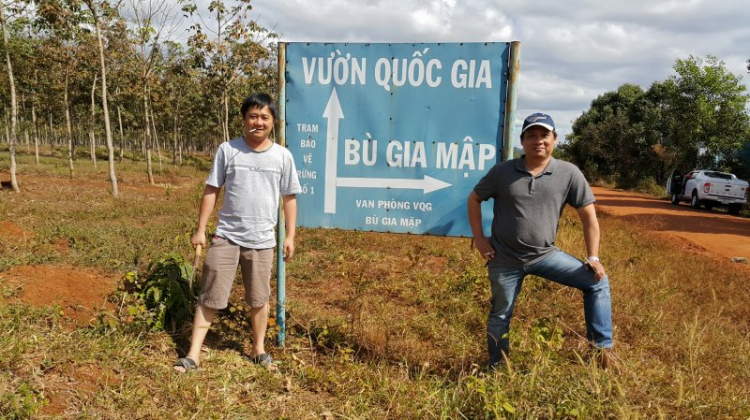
point(428, 184)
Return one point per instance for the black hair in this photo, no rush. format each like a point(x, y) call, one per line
point(259, 100)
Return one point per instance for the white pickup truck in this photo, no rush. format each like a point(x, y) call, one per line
point(708, 188)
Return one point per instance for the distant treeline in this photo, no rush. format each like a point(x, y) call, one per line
point(167, 88)
point(696, 118)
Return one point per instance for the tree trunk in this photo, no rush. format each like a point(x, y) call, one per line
point(147, 138)
point(175, 137)
point(27, 142)
point(36, 146)
point(69, 128)
point(216, 139)
point(225, 125)
point(51, 137)
point(12, 149)
point(122, 137)
point(107, 128)
point(92, 148)
point(36, 129)
point(156, 140)
point(13, 104)
point(92, 140)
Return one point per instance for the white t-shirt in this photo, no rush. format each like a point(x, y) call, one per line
point(253, 182)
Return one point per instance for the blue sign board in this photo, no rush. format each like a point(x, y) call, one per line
point(393, 137)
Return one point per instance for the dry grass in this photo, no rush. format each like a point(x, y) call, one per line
point(379, 326)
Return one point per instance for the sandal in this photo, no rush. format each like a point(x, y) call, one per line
point(186, 363)
point(264, 360)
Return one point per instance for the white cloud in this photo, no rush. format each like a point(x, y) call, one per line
point(571, 52)
point(426, 21)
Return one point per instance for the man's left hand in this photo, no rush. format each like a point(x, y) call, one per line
point(288, 249)
point(597, 267)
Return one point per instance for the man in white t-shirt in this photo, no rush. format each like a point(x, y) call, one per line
point(255, 172)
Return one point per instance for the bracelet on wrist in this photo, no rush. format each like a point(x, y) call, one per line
point(593, 258)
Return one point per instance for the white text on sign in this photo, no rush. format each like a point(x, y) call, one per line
point(415, 154)
point(342, 69)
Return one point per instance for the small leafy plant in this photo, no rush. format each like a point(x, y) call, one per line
point(234, 321)
point(161, 300)
point(24, 403)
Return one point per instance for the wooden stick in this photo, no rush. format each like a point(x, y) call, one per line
point(196, 261)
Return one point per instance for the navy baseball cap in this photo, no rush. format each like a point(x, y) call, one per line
point(538, 118)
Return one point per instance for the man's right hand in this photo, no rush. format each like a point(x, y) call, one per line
point(199, 238)
point(484, 247)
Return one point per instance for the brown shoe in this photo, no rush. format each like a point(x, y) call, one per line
point(607, 360)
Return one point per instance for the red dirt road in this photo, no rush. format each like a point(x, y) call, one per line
point(716, 233)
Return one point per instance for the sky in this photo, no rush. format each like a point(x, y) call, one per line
point(571, 52)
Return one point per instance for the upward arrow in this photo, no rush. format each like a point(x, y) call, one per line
point(333, 110)
point(333, 113)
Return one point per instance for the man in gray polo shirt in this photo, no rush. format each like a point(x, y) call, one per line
point(529, 195)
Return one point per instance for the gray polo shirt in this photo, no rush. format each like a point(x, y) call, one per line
point(253, 182)
point(527, 209)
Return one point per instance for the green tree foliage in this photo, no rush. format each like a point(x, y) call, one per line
point(695, 118)
point(711, 104)
point(192, 87)
point(231, 53)
point(613, 140)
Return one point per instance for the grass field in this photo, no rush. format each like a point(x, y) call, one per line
point(379, 325)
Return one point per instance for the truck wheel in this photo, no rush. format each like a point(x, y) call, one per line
point(734, 209)
point(694, 201)
point(708, 205)
point(675, 199)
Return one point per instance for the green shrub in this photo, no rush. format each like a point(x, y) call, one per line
point(162, 300)
point(651, 187)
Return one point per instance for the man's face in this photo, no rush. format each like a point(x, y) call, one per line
point(260, 120)
point(538, 142)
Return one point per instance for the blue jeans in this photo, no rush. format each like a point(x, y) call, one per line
point(561, 268)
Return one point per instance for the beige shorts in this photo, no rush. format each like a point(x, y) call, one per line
point(220, 267)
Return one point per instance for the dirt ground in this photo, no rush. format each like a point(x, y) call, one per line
point(81, 291)
point(710, 232)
